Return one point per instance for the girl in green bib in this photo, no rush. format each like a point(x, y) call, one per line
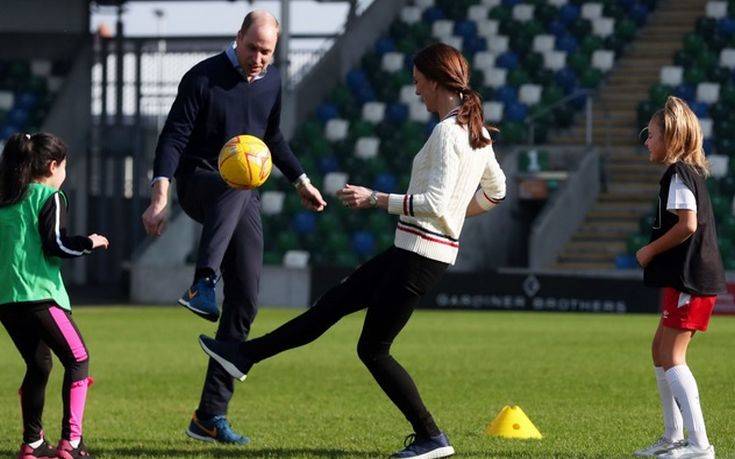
point(34, 305)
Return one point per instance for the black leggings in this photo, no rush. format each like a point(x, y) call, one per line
point(37, 329)
point(389, 286)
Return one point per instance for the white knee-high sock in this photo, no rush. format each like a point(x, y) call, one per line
point(684, 387)
point(674, 428)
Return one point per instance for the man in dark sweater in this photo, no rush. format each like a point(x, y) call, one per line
point(235, 92)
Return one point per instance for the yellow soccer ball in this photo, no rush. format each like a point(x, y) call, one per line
point(245, 162)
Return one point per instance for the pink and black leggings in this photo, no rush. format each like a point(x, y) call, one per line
point(37, 329)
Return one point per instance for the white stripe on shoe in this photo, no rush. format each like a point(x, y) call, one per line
point(199, 437)
point(226, 364)
point(444, 451)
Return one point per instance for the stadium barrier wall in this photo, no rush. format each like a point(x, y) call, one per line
point(561, 217)
point(527, 290)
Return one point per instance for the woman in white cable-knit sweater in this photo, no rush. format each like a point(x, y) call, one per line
point(455, 175)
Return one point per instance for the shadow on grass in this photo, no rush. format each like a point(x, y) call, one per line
point(224, 451)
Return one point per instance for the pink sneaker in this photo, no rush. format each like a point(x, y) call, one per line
point(45, 451)
point(66, 451)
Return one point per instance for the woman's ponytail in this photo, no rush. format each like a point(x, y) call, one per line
point(470, 114)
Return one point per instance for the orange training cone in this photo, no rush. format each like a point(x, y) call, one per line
point(512, 422)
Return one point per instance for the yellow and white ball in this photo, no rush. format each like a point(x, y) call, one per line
point(245, 162)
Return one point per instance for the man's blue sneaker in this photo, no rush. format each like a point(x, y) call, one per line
point(216, 429)
point(228, 355)
point(426, 448)
point(200, 299)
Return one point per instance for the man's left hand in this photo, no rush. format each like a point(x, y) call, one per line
point(311, 198)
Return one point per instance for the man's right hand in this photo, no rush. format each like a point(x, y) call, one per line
point(156, 215)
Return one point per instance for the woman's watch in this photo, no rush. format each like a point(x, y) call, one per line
point(373, 199)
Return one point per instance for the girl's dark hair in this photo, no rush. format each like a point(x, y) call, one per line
point(446, 66)
point(24, 159)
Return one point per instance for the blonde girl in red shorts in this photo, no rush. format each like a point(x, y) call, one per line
point(683, 259)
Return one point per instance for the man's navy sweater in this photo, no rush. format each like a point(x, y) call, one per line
point(214, 104)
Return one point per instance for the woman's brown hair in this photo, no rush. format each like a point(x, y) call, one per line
point(446, 66)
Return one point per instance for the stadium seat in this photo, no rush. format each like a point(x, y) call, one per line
point(373, 112)
point(603, 60)
point(411, 14)
point(272, 202)
point(392, 62)
point(408, 95)
point(367, 147)
point(442, 29)
point(334, 181)
point(336, 129)
point(707, 127)
point(709, 93)
point(487, 28)
point(41, 68)
point(424, 4)
point(296, 259)
point(417, 112)
point(477, 13)
point(603, 27)
point(493, 111)
point(7, 100)
point(716, 10)
point(495, 77)
point(543, 43)
point(719, 165)
point(555, 60)
point(498, 44)
point(523, 12)
point(672, 75)
point(529, 94)
point(591, 11)
point(483, 60)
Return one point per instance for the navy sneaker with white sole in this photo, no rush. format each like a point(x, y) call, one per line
point(425, 448)
point(200, 299)
point(216, 429)
point(228, 355)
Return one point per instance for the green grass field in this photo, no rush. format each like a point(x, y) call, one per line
point(585, 380)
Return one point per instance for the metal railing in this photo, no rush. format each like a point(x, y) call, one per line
point(531, 120)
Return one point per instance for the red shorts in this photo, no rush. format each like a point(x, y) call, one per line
point(685, 311)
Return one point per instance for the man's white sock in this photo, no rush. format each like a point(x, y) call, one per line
point(684, 387)
point(673, 425)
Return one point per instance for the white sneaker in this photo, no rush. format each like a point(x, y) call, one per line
point(661, 446)
point(690, 452)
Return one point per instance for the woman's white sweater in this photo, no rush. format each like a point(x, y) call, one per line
point(445, 176)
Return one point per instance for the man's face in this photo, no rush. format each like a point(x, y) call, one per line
point(255, 48)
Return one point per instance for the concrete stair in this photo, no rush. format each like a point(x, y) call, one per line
point(631, 180)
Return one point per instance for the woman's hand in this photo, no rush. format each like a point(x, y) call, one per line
point(356, 197)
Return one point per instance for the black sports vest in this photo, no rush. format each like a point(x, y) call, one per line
point(695, 265)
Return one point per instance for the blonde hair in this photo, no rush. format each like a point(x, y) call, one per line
point(682, 135)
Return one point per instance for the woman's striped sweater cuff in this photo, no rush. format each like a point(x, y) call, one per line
point(486, 201)
point(401, 204)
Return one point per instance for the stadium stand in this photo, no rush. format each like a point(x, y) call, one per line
point(526, 57)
